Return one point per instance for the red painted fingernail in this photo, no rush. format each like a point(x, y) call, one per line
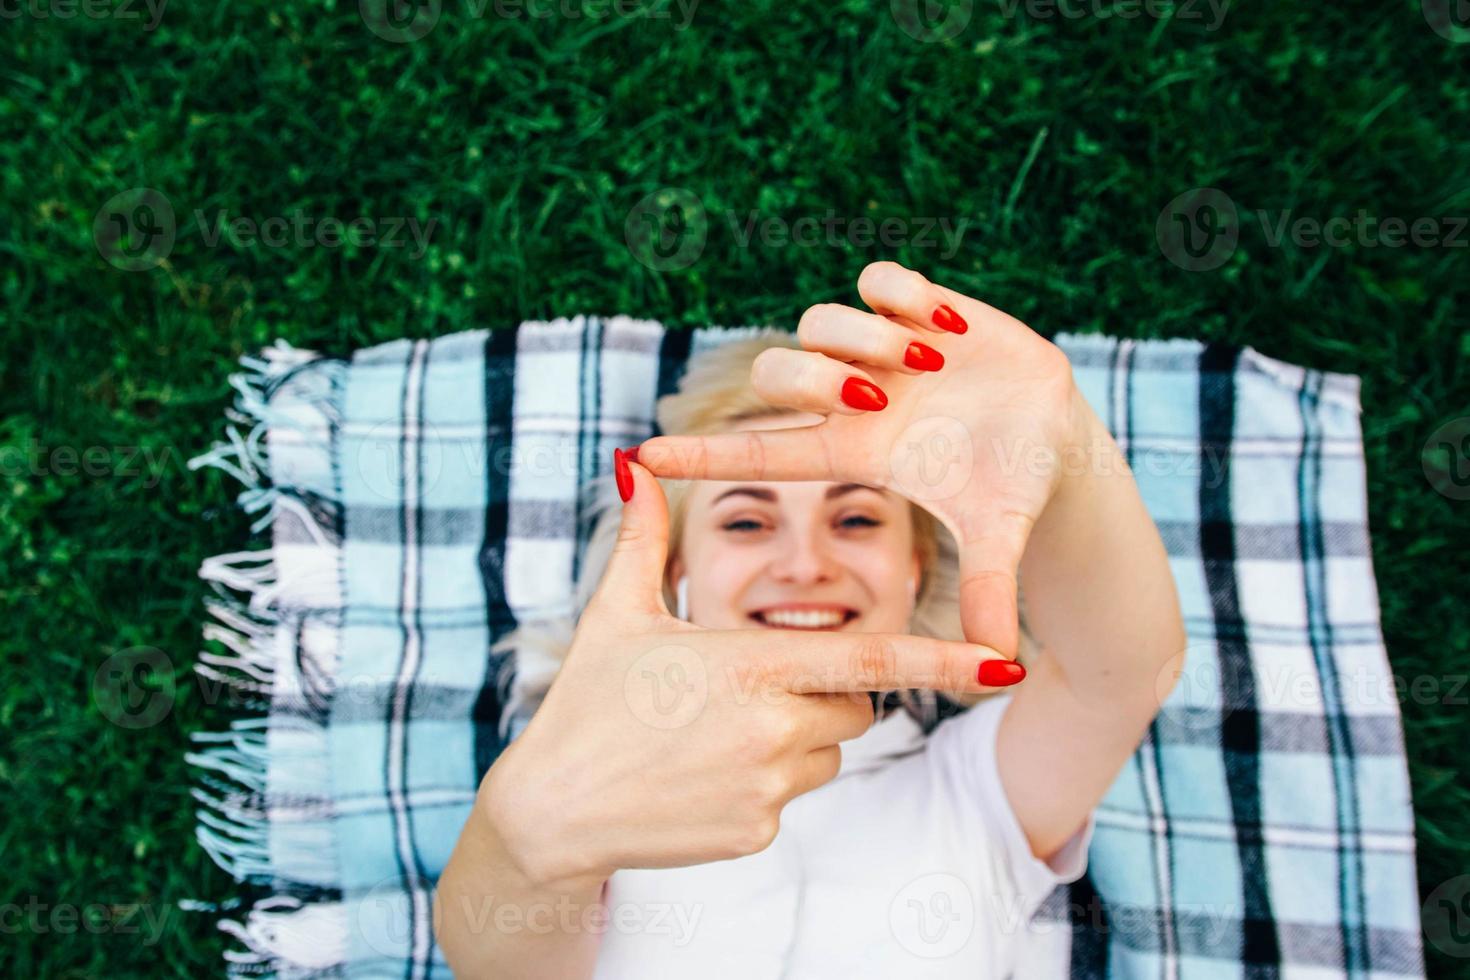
point(947, 319)
point(865, 395)
point(922, 357)
point(623, 475)
point(1000, 673)
point(631, 455)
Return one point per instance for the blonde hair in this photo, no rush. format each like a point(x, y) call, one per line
point(715, 395)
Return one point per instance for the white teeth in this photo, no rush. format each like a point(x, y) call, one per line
point(804, 619)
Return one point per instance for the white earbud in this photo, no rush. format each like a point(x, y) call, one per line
point(681, 591)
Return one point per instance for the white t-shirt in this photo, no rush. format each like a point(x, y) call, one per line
point(909, 864)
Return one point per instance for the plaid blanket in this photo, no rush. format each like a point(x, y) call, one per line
point(425, 497)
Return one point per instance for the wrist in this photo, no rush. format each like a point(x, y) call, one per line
point(533, 845)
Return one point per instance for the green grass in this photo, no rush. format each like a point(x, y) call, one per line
point(528, 142)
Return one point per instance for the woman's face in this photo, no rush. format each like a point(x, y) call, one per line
point(797, 555)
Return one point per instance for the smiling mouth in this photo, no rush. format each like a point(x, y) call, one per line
point(812, 618)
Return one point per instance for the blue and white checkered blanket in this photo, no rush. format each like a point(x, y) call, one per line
point(424, 497)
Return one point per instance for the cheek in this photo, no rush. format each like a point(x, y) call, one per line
point(883, 568)
point(719, 576)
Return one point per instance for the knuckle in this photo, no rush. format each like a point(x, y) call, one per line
point(758, 835)
point(874, 661)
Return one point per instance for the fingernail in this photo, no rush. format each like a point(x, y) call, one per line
point(947, 319)
point(623, 475)
point(1000, 673)
point(857, 393)
point(922, 357)
point(631, 455)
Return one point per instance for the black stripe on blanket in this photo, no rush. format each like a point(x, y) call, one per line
point(1240, 731)
point(500, 376)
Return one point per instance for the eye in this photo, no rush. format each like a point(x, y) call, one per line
point(856, 521)
point(744, 525)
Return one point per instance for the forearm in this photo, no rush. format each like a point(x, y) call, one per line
point(493, 921)
point(1099, 593)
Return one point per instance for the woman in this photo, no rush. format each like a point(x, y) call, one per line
point(679, 804)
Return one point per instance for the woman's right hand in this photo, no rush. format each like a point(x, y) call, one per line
point(662, 744)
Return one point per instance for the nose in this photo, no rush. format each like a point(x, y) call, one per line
point(804, 558)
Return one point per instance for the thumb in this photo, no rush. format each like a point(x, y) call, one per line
point(635, 572)
point(989, 610)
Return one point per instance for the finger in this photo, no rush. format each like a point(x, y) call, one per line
point(634, 575)
point(847, 334)
point(805, 381)
point(990, 555)
point(808, 662)
point(891, 290)
point(769, 454)
point(834, 718)
point(815, 769)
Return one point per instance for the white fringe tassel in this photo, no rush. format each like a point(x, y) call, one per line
point(281, 752)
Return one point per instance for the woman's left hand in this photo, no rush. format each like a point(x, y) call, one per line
point(976, 441)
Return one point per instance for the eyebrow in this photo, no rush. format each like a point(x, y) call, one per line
point(769, 496)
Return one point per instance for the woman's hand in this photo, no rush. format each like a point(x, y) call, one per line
point(976, 441)
point(661, 744)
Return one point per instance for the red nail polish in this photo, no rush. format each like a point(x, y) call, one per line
point(1000, 673)
point(922, 357)
point(947, 319)
point(631, 455)
point(857, 393)
point(623, 475)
